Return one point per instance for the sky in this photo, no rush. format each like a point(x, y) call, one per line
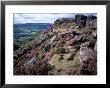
point(22, 18)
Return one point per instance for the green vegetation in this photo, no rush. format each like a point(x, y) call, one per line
point(40, 56)
point(88, 38)
point(60, 50)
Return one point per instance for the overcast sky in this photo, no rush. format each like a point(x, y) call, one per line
point(41, 18)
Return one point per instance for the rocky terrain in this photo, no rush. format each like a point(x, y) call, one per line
point(68, 47)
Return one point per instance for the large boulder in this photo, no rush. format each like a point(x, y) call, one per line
point(82, 23)
point(86, 53)
point(63, 20)
point(91, 17)
point(80, 20)
point(79, 17)
point(92, 23)
point(88, 59)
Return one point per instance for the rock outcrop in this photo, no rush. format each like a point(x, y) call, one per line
point(88, 59)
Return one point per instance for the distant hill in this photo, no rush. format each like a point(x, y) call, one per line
point(32, 26)
point(25, 31)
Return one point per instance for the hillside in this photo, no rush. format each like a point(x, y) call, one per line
point(68, 47)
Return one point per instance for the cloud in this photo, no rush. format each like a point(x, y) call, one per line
point(39, 18)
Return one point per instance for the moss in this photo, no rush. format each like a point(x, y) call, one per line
point(88, 37)
point(40, 56)
point(92, 43)
point(76, 61)
point(60, 50)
